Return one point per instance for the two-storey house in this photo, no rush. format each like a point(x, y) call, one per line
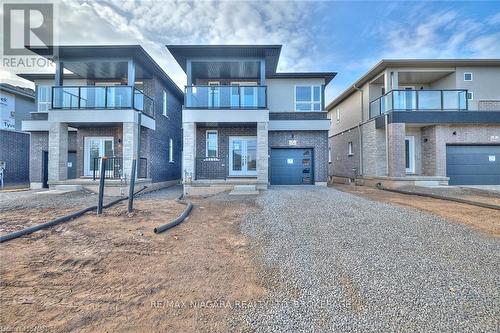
point(245, 123)
point(419, 122)
point(112, 101)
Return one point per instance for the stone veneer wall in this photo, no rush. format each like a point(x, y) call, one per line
point(305, 139)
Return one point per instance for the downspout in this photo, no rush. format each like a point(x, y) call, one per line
point(360, 134)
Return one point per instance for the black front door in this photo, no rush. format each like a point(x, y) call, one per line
point(45, 167)
point(72, 165)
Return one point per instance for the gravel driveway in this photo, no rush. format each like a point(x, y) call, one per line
point(335, 261)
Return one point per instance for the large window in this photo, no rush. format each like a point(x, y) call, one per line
point(44, 98)
point(308, 98)
point(212, 145)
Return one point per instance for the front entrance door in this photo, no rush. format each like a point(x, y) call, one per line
point(96, 147)
point(243, 156)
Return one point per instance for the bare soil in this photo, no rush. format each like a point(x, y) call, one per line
point(112, 273)
point(484, 219)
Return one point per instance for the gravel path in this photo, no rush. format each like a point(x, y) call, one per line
point(337, 262)
point(168, 193)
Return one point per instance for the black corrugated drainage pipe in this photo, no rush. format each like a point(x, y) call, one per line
point(435, 196)
point(61, 219)
point(179, 219)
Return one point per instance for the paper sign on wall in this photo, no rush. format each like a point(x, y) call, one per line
point(289, 161)
point(492, 158)
point(292, 142)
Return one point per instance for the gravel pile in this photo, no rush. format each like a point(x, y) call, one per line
point(333, 261)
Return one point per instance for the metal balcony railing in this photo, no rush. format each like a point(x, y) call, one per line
point(114, 168)
point(420, 100)
point(225, 97)
point(101, 97)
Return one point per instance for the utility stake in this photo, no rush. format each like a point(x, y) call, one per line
point(131, 189)
point(101, 185)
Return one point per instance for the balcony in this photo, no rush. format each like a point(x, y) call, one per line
point(419, 100)
point(101, 98)
point(225, 97)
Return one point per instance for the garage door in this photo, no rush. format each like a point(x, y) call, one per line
point(473, 165)
point(292, 166)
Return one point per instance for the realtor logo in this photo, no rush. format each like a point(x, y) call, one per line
point(27, 24)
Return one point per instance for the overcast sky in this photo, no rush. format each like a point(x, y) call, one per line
point(346, 37)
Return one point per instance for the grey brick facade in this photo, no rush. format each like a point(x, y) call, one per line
point(318, 140)
point(14, 151)
point(342, 163)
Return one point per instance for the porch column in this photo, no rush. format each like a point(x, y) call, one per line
point(189, 152)
point(58, 151)
point(129, 143)
point(262, 154)
point(396, 141)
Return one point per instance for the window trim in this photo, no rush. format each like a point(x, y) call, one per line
point(350, 150)
point(171, 150)
point(471, 95)
point(164, 103)
point(471, 76)
point(216, 142)
point(48, 103)
point(312, 101)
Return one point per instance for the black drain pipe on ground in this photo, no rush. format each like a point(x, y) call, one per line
point(434, 196)
point(179, 219)
point(61, 219)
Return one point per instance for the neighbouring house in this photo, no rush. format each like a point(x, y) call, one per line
point(112, 101)
point(244, 123)
point(419, 122)
point(16, 103)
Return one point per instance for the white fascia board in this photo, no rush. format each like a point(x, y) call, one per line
point(299, 125)
point(224, 116)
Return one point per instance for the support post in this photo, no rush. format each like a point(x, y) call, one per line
point(131, 189)
point(101, 185)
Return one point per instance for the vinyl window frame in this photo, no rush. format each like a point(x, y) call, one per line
point(471, 76)
point(350, 151)
point(471, 94)
point(216, 142)
point(48, 102)
point(164, 103)
point(311, 102)
point(171, 150)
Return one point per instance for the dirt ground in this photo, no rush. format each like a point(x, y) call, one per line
point(112, 273)
point(483, 219)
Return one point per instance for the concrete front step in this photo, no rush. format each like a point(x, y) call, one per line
point(244, 190)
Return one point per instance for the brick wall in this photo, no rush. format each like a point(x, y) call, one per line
point(82, 133)
point(14, 151)
point(342, 164)
point(306, 139)
point(166, 127)
point(374, 161)
point(490, 105)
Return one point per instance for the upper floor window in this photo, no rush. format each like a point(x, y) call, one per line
point(164, 103)
point(337, 115)
point(43, 98)
point(329, 155)
point(349, 149)
point(308, 98)
point(468, 76)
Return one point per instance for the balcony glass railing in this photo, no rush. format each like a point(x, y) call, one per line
point(225, 97)
point(97, 97)
point(419, 100)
